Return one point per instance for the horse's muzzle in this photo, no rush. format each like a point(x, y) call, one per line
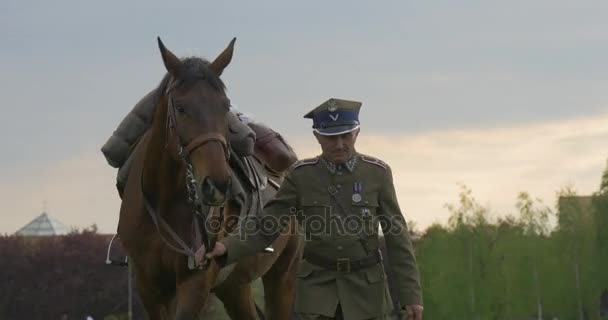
point(214, 193)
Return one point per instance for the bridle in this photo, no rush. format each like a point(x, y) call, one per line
point(202, 209)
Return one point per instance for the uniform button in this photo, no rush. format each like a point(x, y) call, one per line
point(339, 247)
point(339, 186)
point(314, 202)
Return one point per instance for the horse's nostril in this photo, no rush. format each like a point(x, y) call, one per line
point(207, 188)
point(214, 191)
point(222, 186)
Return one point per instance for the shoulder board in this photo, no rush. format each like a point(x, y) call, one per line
point(375, 161)
point(303, 162)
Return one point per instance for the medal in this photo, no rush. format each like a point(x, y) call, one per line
point(365, 212)
point(358, 187)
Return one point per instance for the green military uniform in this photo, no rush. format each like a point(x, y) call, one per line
point(339, 207)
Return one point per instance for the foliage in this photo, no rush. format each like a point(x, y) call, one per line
point(51, 277)
point(517, 267)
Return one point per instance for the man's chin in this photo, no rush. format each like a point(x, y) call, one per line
point(339, 159)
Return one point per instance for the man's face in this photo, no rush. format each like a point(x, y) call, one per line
point(338, 148)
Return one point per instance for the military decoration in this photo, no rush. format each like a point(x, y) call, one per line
point(365, 212)
point(357, 188)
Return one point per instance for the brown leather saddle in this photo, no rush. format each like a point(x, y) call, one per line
point(272, 149)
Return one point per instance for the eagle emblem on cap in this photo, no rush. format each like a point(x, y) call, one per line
point(331, 106)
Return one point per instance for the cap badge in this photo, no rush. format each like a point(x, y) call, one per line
point(331, 106)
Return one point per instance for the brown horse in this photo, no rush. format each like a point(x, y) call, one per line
point(180, 171)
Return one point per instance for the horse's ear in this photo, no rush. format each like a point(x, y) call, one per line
point(223, 59)
point(172, 63)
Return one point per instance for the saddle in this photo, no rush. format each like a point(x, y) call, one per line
point(272, 149)
point(253, 184)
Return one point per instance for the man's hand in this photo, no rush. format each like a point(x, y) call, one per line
point(413, 312)
point(218, 251)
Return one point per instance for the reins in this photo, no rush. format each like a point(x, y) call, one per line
point(194, 198)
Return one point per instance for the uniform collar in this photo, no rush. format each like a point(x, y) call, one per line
point(339, 168)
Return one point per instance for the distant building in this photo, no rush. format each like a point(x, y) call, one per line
point(43, 225)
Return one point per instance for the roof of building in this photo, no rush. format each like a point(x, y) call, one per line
point(43, 225)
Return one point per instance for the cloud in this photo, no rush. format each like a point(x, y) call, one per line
point(496, 163)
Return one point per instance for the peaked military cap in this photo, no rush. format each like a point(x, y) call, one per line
point(335, 116)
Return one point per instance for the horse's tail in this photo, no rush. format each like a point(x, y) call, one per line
point(259, 311)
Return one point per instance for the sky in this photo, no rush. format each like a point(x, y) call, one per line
point(503, 96)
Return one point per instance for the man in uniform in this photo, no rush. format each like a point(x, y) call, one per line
point(340, 198)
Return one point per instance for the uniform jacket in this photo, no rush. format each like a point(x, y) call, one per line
point(334, 228)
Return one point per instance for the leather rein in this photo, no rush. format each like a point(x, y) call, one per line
point(201, 210)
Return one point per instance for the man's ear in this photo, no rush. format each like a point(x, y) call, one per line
point(318, 136)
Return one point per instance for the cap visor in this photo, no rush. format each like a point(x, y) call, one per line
point(334, 131)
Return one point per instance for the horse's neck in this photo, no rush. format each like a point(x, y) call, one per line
point(161, 172)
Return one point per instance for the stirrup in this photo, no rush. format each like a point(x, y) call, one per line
point(115, 262)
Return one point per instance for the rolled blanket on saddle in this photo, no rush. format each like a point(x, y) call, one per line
point(118, 147)
point(245, 136)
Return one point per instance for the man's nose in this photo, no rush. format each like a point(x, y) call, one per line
point(339, 142)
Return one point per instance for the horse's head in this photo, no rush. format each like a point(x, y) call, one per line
point(196, 105)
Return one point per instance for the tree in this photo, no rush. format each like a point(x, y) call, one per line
point(468, 221)
point(576, 234)
point(600, 221)
point(534, 217)
point(47, 277)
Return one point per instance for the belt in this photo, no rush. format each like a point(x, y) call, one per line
point(343, 264)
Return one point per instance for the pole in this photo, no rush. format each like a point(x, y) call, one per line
point(130, 298)
point(539, 304)
point(578, 291)
point(472, 281)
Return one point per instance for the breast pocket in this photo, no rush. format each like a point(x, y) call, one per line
point(366, 211)
point(364, 205)
point(314, 217)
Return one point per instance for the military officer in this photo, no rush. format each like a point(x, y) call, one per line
point(340, 198)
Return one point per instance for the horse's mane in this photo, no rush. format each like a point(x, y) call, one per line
point(194, 68)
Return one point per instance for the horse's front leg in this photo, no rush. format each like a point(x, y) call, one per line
point(279, 281)
point(192, 292)
point(153, 301)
